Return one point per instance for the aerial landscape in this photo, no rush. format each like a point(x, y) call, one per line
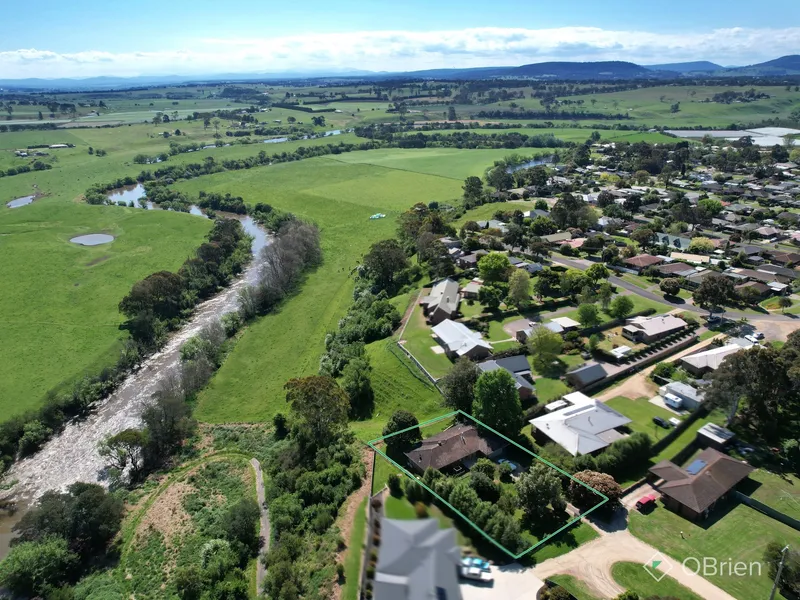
point(417, 303)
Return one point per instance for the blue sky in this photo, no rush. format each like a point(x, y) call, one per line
point(203, 36)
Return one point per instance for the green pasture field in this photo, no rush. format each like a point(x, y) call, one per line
point(646, 106)
point(339, 197)
point(445, 163)
point(58, 309)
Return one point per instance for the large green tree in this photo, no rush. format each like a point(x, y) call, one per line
point(319, 407)
point(32, 568)
point(400, 421)
point(384, 262)
point(458, 386)
point(544, 347)
point(539, 490)
point(497, 402)
point(519, 288)
point(621, 307)
point(494, 267)
point(714, 290)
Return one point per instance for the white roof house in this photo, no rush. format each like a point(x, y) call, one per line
point(458, 338)
point(584, 427)
point(710, 359)
point(566, 322)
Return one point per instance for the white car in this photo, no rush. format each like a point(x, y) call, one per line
point(752, 338)
point(476, 574)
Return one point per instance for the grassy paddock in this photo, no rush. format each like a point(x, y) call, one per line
point(633, 577)
point(58, 311)
point(339, 197)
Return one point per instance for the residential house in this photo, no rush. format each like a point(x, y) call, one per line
point(708, 360)
point(556, 239)
point(768, 232)
point(676, 269)
point(470, 261)
point(584, 427)
point(642, 261)
point(533, 268)
point(697, 259)
point(417, 559)
point(535, 213)
point(450, 242)
point(455, 450)
point(694, 281)
point(689, 396)
point(492, 224)
point(673, 241)
point(586, 375)
point(458, 340)
point(472, 289)
point(761, 289)
point(647, 330)
point(693, 492)
point(442, 301)
point(785, 259)
point(519, 368)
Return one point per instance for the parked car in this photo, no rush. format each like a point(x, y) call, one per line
point(661, 422)
point(504, 461)
point(473, 562)
point(758, 335)
point(648, 501)
point(476, 574)
point(751, 338)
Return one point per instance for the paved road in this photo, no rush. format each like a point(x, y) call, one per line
point(582, 264)
point(264, 532)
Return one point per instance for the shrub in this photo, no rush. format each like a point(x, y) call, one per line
point(665, 370)
point(395, 486)
point(340, 571)
point(376, 502)
point(370, 572)
point(421, 510)
point(376, 539)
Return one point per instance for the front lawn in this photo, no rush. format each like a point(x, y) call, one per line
point(633, 578)
point(574, 586)
point(738, 534)
point(781, 492)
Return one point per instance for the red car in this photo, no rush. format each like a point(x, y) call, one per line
point(648, 501)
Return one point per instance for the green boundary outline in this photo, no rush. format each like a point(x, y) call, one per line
point(372, 443)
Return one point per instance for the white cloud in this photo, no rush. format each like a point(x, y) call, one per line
point(401, 50)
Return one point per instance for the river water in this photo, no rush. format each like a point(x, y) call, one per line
point(72, 455)
point(531, 163)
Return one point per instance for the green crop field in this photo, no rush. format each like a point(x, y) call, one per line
point(652, 105)
point(339, 196)
point(58, 309)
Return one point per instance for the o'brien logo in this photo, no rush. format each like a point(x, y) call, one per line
point(656, 561)
point(708, 566)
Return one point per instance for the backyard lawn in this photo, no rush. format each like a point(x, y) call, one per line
point(418, 339)
point(633, 578)
point(740, 534)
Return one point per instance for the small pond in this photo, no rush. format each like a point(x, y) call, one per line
point(131, 193)
point(20, 202)
point(92, 239)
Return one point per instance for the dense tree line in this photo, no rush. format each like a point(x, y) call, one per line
point(309, 475)
point(550, 114)
point(59, 539)
point(160, 301)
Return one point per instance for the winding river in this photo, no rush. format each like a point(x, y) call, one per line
point(72, 456)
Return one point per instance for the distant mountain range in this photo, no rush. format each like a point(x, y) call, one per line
point(687, 67)
point(602, 70)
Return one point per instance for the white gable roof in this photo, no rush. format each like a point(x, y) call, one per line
point(582, 428)
point(458, 338)
point(711, 359)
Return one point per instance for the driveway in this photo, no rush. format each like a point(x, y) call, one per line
point(511, 582)
point(592, 564)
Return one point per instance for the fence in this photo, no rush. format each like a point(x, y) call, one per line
point(413, 358)
point(699, 412)
point(768, 510)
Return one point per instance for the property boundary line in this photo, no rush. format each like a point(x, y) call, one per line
point(515, 556)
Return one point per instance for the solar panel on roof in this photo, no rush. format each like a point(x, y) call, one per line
point(696, 467)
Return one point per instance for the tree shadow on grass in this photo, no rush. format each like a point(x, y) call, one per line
point(553, 370)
